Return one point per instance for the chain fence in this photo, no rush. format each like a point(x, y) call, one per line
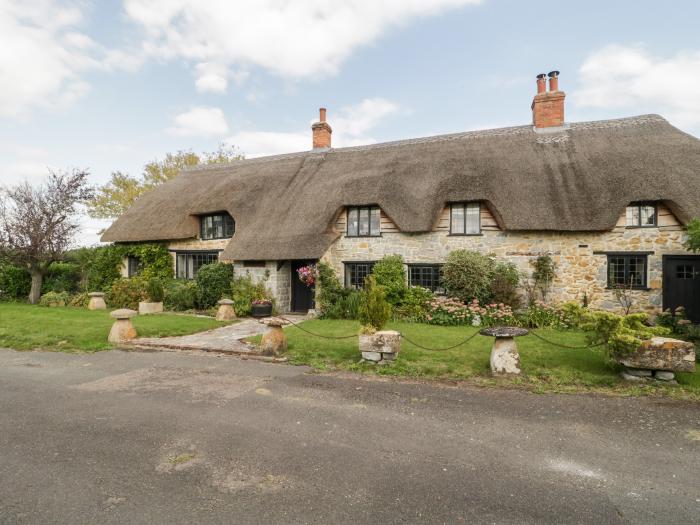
point(461, 343)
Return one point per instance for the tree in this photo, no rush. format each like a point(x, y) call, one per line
point(122, 190)
point(693, 242)
point(38, 223)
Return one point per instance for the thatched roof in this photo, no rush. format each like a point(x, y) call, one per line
point(576, 179)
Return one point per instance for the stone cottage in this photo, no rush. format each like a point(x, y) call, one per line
point(607, 200)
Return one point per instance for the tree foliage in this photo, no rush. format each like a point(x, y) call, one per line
point(374, 310)
point(389, 274)
point(122, 190)
point(693, 241)
point(37, 223)
point(468, 275)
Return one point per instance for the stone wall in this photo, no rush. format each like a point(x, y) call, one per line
point(277, 281)
point(580, 257)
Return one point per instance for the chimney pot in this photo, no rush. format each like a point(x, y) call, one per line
point(322, 114)
point(541, 83)
point(554, 80)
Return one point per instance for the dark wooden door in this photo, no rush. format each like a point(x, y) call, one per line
point(682, 284)
point(303, 297)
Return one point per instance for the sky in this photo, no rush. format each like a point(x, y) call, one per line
point(109, 86)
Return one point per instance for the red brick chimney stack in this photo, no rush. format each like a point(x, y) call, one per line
point(548, 106)
point(321, 131)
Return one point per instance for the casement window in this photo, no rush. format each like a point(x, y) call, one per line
point(628, 271)
point(641, 215)
point(217, 226)
point(465, 218)
point(187, 264)
point(356, 272)
point(426, 276)
point(132, 266)
point(363, 221)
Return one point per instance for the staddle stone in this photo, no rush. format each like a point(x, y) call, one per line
point(97, 301)
point(123, 329)
point(225, 311)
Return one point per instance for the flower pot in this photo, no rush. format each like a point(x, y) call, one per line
point(262, 310)
point(146, 308)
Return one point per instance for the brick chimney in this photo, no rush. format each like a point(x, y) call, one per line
point(548, 106)
point(321, 131)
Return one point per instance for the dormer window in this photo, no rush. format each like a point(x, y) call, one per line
point(217, 226)
point(465, 218)
point(641, 215)
point(364, 221)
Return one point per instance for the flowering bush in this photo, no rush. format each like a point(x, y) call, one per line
point(447, 311)
point(307, 274)
point(541, 315)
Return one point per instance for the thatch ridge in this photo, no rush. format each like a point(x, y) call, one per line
point(576, 178)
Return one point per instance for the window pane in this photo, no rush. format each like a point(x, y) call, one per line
point(374, 221)
point(648, 216)
point(617, 270)
point(473, 218)
point(181, 266)
point(355, 274)
point(190, 267)
point(218, 224)
point(427, 276)
point(457, 219)
point(353, 222)
point(229, 226)
point(632, 216)
point(637, 272)
point(364, 221)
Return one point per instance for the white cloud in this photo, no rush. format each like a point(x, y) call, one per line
point(629, 77)
point(293, 39)
point(200, 121)
point(43, 55)
point(351, 127)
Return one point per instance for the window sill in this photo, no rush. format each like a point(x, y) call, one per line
point(216, 238)
point(634, 288)
point(652, 226)
point(465, 234)
point(362, 236)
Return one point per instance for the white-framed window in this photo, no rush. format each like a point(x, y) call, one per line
point(641, 215)
point(465, 218)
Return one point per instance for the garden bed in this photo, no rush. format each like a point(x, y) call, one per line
point(545, 368)
point(26, 327)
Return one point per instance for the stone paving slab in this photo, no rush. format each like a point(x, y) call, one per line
point(225, 339)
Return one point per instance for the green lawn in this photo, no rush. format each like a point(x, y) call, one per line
point(26, 327)
point(545, 367)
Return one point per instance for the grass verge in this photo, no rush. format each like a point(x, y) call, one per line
point(27, 327)
point(546, 368)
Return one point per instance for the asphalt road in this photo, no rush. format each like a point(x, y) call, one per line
point(153, 438)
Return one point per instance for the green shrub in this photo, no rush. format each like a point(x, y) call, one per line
point(62, 277)
point(126, 293)
point(244, 291)
point(80, 300)
point(102, 267)
point(620, 334)
point(374, 311)
point(573, 314)
point(541, 315)
point(54, 299)
point(504, 284)
point(180, 295)
point(213, 283)
point(330, 291)
point(154, 290)
point(415, 305)
point(467, 275)
point(544, 274)
point(345, 307)
point(389, 274)
point(15, 281)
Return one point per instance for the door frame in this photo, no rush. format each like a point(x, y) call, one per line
point(293, 276)
point(665, 278)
